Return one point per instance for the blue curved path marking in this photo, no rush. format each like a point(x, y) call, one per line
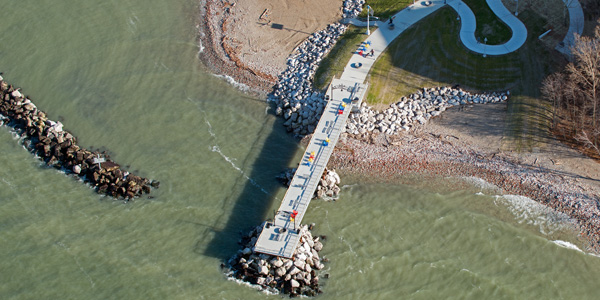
point(576, 21)
point(468, 25)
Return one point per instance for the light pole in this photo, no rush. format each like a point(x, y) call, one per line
point(484, 46)
point(369, 13)
point(517, 10)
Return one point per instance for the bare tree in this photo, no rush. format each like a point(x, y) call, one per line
point(584, 139)
point(552, 89)
point(585, 73)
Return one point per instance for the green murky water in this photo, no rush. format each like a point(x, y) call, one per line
point(124, 75)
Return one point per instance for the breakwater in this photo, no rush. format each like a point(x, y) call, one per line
point(293, 276)
point(417, 108)
point(58, 148)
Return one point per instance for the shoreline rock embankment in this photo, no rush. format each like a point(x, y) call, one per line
point(327, 188)
point(295, 276)
point(58, 148)
point(293, 94)
point(416, 108)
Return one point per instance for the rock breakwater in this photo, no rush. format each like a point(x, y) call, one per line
point(293, 94)
point(417, 108)
point(58, 148)
point(295, 276)
point(328, 187)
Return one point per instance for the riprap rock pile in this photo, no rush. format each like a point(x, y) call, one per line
point(352, 8)
point(328, 187)
point(416, 108)
point(293, 94)
point(58, 148)
point(295, 276)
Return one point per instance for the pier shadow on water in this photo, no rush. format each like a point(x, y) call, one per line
point(251, 200)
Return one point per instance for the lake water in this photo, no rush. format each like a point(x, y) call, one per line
point(124, 76)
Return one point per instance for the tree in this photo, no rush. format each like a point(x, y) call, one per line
point(585, 70)
point(575, 93)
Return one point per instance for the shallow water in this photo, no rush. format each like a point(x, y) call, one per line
point(124, 76)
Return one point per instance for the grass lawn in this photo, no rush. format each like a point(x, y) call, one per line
point(488, 24)
point(431, 54)
point(333, 64)
point(385, 8)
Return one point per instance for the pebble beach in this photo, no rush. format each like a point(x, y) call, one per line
point(424, 153)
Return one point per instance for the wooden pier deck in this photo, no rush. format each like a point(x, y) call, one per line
point(281, 237)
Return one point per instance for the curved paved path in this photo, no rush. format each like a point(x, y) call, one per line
point(468, 25)
point(576, 21)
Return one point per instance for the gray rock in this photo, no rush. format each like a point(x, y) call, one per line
point(294, 283)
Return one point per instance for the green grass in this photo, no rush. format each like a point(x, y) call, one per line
point(430, 54)
point(385, 8)
point(488, 24)
point(333, 64)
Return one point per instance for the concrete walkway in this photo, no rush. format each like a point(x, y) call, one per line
point(468, 25)
point(381, 37)
point(576, 21)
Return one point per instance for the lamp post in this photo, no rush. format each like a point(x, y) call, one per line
point(517, 9)
point(369, 13)
point(484, 46)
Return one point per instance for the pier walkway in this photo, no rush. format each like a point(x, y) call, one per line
point(281, 236)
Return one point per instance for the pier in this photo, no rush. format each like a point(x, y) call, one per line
point(281, 236)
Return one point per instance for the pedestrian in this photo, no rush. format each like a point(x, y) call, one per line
point(372, 53)
point(392, 20)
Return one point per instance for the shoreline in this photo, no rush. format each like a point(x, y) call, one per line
point(219, 59)
point(427, 154)
point(426, 151)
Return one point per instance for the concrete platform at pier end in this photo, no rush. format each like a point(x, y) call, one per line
point(280, 237)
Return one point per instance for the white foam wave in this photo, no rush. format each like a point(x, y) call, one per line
point(480, 183)
point(348, 186)
point(200, 47)
point(205, 118)
point(254, 286)
point(567, 245)
point(232, 81)
point(533, 213)
point(68, 250)
point(10, 184)
point(230, 161)
point(209, 126)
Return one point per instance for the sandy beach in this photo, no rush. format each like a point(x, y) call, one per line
point(250, 41)
point(459, 143)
